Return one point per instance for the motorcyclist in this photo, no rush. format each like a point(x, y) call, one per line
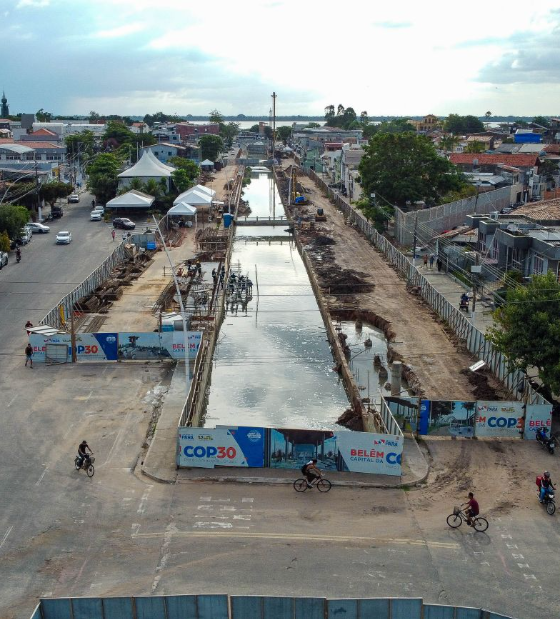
point(18, 254)
point(542, 434)
point(82, 454)
point(464, 300)
point(545, 485)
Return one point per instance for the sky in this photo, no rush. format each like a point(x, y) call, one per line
point(134, 57)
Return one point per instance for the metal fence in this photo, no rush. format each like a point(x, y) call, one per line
point(516, 381)
point(391, 425)
point(65, 306)
point(224, 606)
point(448, 215)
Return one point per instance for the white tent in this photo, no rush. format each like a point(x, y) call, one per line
point(147, 167)
point(203, 188)
point(194, 197)
point(182, 208)
point(133, 199)
point(207, 162)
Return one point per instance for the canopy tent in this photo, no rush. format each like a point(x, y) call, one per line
point(133, 199)
point(182, 208)
point(206, 163)
point(147, 167)
point(203, 188)
point(195, 198)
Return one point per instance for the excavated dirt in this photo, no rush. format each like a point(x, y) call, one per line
point(353, 275)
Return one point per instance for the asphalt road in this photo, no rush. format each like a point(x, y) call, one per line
point(47, 272)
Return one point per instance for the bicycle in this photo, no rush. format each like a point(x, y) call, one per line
point(322, 484)
point(87, 465)
point(480, 524)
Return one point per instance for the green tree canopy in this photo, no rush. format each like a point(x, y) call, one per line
point(80, 144)
point(283, 133)
point(527, 328)
point(103, 181)
point(210, 147)
point(12, 219)
point(160, 117)
point(397, 125)
point(403, 167)
point(345, 118)
point(475, 147)
point(542, 120)
point(216, 117)
point(267, 131)
point(463, 124)
point(51, 192)
point(182, 180)
point(185, 164)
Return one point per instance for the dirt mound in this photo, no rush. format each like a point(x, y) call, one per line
point(482, 389)
point(338, 281)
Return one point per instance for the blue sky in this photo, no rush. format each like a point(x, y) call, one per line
point(184, 56)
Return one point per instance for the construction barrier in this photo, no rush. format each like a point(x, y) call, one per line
point(222, 606)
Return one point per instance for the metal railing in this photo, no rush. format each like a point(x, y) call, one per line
point(54, 317)
point(391, 425)
point(475, 341)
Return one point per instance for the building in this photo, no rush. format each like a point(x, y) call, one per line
point(4, 108)
point(527, 240)
point(41, 135)
point(190, 130)
point(429, 123)
point(524, 136)
point(165, 150)
point(33, 151)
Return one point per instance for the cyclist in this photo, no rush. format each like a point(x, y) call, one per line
point(84, 456)
point(471, 509)
point(311, 472)
point(545, 485)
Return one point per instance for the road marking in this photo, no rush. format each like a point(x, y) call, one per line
point(42, 476)
point(304, 537)
point(11, 402)
point(8, 531)
point(142, 507)
point(248, 500)
point(213, 525)
point(68, 431)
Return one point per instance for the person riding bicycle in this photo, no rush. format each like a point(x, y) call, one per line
point(545, 485)
point(471, 508)
point(82, 454)
point(311, 472)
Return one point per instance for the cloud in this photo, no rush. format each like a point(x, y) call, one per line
point(530, 57)
point(120, 31)
point(392, 25)
point(33, 3)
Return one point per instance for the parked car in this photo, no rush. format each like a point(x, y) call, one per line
point(57, 211)
point(63, 237)
point(95, 216)
point(23, 238)
point(73, 198)
point(3, 259)
point(35, 227)
point(123, 222)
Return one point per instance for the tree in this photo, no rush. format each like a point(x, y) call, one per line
point(403, 167)
point(549, 169)
point(542, 120)
point(528, 328)
point(463, 124)
point(475, 147)
point(182, 180)
point(42, 116)
point(344, 118)
point(118, 132)
point(488, 115)
point(103, 180)
point(447, 143)
point(210, 147)
point(267, 131)
point(160, 117)
point(80, 143)
point(216, 117)
point(4, 242)
point(185, 164)
point(228, 132)
point(93, 117)
point(283, 133)
point(12, 219)
point(329, 112)
point(51, 192)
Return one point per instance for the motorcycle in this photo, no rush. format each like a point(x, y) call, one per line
point(548, 502)
point(18, 257)
point(464, 304)
point(546, 442)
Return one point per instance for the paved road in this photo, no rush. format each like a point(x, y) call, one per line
point(47, 272)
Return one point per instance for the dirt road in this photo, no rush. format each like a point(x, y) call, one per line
point(419, 337)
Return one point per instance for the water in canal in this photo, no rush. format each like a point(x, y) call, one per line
point(273, 364)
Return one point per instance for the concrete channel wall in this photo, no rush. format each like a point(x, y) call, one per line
point(224, 606)
point(444, 217)
point(516, 381)
point(193, 409)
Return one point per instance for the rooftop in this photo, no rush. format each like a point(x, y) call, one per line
point(546, 210)
point(509, 159)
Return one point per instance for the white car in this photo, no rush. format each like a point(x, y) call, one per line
point(64, 236)
point(35, 227)
point(74, 198)
point(99, 208)
point(95, 216)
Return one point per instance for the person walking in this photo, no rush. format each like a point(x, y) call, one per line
point(439, 264)
point(432, 259)
point(28, 326)
point(29, 354)
point(425, 259)
point(113, 234)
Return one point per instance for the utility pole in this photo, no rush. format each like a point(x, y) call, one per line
point(273, 125)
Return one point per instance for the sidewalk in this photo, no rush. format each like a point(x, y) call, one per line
point(452, 289)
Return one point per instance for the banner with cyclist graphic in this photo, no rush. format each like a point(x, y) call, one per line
point(240, 446)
